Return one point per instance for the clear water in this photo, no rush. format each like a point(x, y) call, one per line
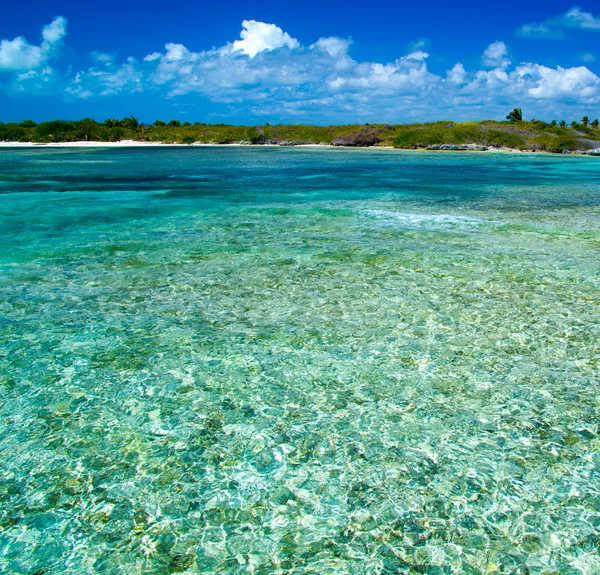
point(298, 361)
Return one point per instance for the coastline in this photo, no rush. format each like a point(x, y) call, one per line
point(145, 144)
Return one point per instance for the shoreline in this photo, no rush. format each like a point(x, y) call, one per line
point(145, 144)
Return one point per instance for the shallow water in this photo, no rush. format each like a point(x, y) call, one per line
point(298, 361)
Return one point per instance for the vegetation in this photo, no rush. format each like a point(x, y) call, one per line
point(515, 133)
point(516, 115)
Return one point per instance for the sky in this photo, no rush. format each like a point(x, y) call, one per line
point(320, 62)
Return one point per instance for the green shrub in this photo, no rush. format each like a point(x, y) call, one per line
point(419, 138)
point(255, 135)
point(501, 139)
point(568, 143)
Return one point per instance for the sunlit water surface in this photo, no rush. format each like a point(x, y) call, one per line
point(298, 361)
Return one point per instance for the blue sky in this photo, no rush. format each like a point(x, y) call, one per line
point(306, 62)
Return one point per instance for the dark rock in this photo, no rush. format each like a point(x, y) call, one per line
point(367, 136)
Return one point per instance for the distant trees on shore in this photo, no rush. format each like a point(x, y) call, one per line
point(515, 133)
point(131, 122)
point(516, 115)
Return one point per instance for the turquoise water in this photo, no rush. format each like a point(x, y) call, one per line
point(298, 361)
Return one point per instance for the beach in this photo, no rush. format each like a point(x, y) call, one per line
point(145, 144)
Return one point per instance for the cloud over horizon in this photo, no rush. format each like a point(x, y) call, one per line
point(267, 72)
point(18, 54)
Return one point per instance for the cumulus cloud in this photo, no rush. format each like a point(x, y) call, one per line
point(18, 54)
point(496, 55)
point(335, 47)
point(270, 73)
point(560, 83)
point(539, 85)
point(418, 55)
point(107, 80)
point(259, 36)
point(575, 18)
point(457, 76)
point(55, 31)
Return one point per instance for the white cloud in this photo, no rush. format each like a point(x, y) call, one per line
point(588, 57)
point(539, 31)
point(419, 55)
point(259, 36)
point(496, 55)
point(420, 44)
point(335, 47)
point(55, 31)
point(574, 18)
point(41, 81)
point(561, 83)
point(18, 54)
point(324, 82)
point(152, 57)
point(108, 80)
point(457, 76)
point(101, 57)
point(269, 73)
point(577, 18)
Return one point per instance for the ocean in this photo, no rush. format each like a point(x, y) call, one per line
point(298, 361)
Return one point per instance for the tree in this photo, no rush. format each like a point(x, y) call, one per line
point(130, 122)
point(516, 115)
point(28, 124)
point(574, 124)
point(553, 123)
point(562, 124)
point(585, 120)
point(159, 123)
point(595, 123)
point(255, 134)
point(174, 123)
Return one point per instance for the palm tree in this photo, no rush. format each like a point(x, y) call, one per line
point(595, 123)
point(585, 120)
point(516, 115)
point(562, 123)
point(131, 122)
